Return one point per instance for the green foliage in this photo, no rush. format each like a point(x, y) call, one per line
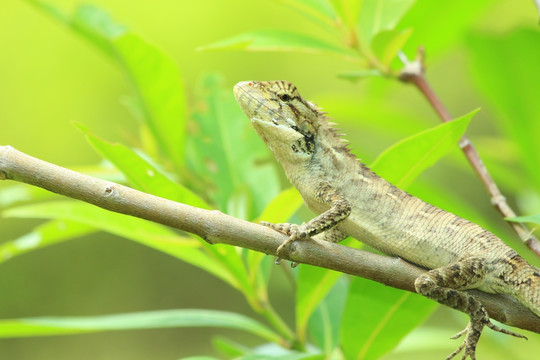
point(278, 40)
point(223, 149)
point(534, 219)
point(356, 22)
point(404, 161)
point(517, 109)
point(42, 326)
point(204, 153)
point(368, 335)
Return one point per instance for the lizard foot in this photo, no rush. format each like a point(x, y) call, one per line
point(472, 335)
point(295, 232)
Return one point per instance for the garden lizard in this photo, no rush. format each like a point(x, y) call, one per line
point(351, 200)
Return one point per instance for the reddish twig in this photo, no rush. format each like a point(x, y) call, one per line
point(414, 73)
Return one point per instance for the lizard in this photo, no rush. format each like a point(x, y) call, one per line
point(351, 200)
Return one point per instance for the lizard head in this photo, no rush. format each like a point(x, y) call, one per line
point(283, 119)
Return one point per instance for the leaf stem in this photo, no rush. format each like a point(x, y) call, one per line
point(268, 311)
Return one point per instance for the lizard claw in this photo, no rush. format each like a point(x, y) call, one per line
point(292, 230)
point(504, 331)
point(285, 243)
point(472, 335)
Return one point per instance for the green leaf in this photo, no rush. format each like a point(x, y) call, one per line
point(275, 352)
point(145, 232)
point(506, 83)
point(282, 207)
point(378, 317)
point(440, 26)
point(348, 10)
point(153, 74)
point(386, 44)
point(279, 210)
point(140, 173)
point(379, 15)
point(360, 74)
point(278, 40)
point(49, 233)
point(313, 284)
point(230, 348)
point(325, 323)
point(372, 113)
point(535, 219)
point(15, 193)
point(46, 326)
point(159, 88)
point(320, 10)
point(228, 156)
point(404, 161)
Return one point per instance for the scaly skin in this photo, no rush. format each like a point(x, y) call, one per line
point(351, 200)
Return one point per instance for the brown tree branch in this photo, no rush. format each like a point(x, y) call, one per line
point(216, 227)
point(414, 73)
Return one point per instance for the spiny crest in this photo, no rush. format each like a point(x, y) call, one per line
point(321, 123)
point(333, 134)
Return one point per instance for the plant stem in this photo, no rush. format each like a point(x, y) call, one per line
point(216, 227)
point(277, 322)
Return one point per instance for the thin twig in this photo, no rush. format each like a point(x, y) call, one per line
point(414, 73)
point(216, 227)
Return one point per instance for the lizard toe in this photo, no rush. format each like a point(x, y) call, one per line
point(472, 335)
point(504, 331)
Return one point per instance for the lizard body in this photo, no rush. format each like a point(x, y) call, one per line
point(352, 200)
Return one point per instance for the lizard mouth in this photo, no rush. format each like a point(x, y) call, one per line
point(276, 124)
point(252, 102)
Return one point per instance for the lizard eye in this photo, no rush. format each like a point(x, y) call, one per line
point(284, 97)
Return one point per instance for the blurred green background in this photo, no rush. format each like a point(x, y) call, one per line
point(49, 77)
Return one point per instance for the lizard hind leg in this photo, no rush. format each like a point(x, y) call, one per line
point(446, 284)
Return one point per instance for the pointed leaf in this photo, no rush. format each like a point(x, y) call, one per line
point(348, 10)
point(378, 317)
point(230, 348)
point(145, 232)
point(320, 10)
point(379, 15)
point(140, 173)
point(535, 219)
point(313, 283)
point(278, 40)
point(359, 75)
point(46, 326)
point(282, 207)
point(325, 323)
point(386, 44)
point(404, 161)
point(228, 156)
point(49, 233)
point(153, 74)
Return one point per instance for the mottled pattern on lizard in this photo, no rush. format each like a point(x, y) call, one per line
point(352, 200)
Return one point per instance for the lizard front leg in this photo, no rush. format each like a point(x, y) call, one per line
point(339, 210)
point(445, 285)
